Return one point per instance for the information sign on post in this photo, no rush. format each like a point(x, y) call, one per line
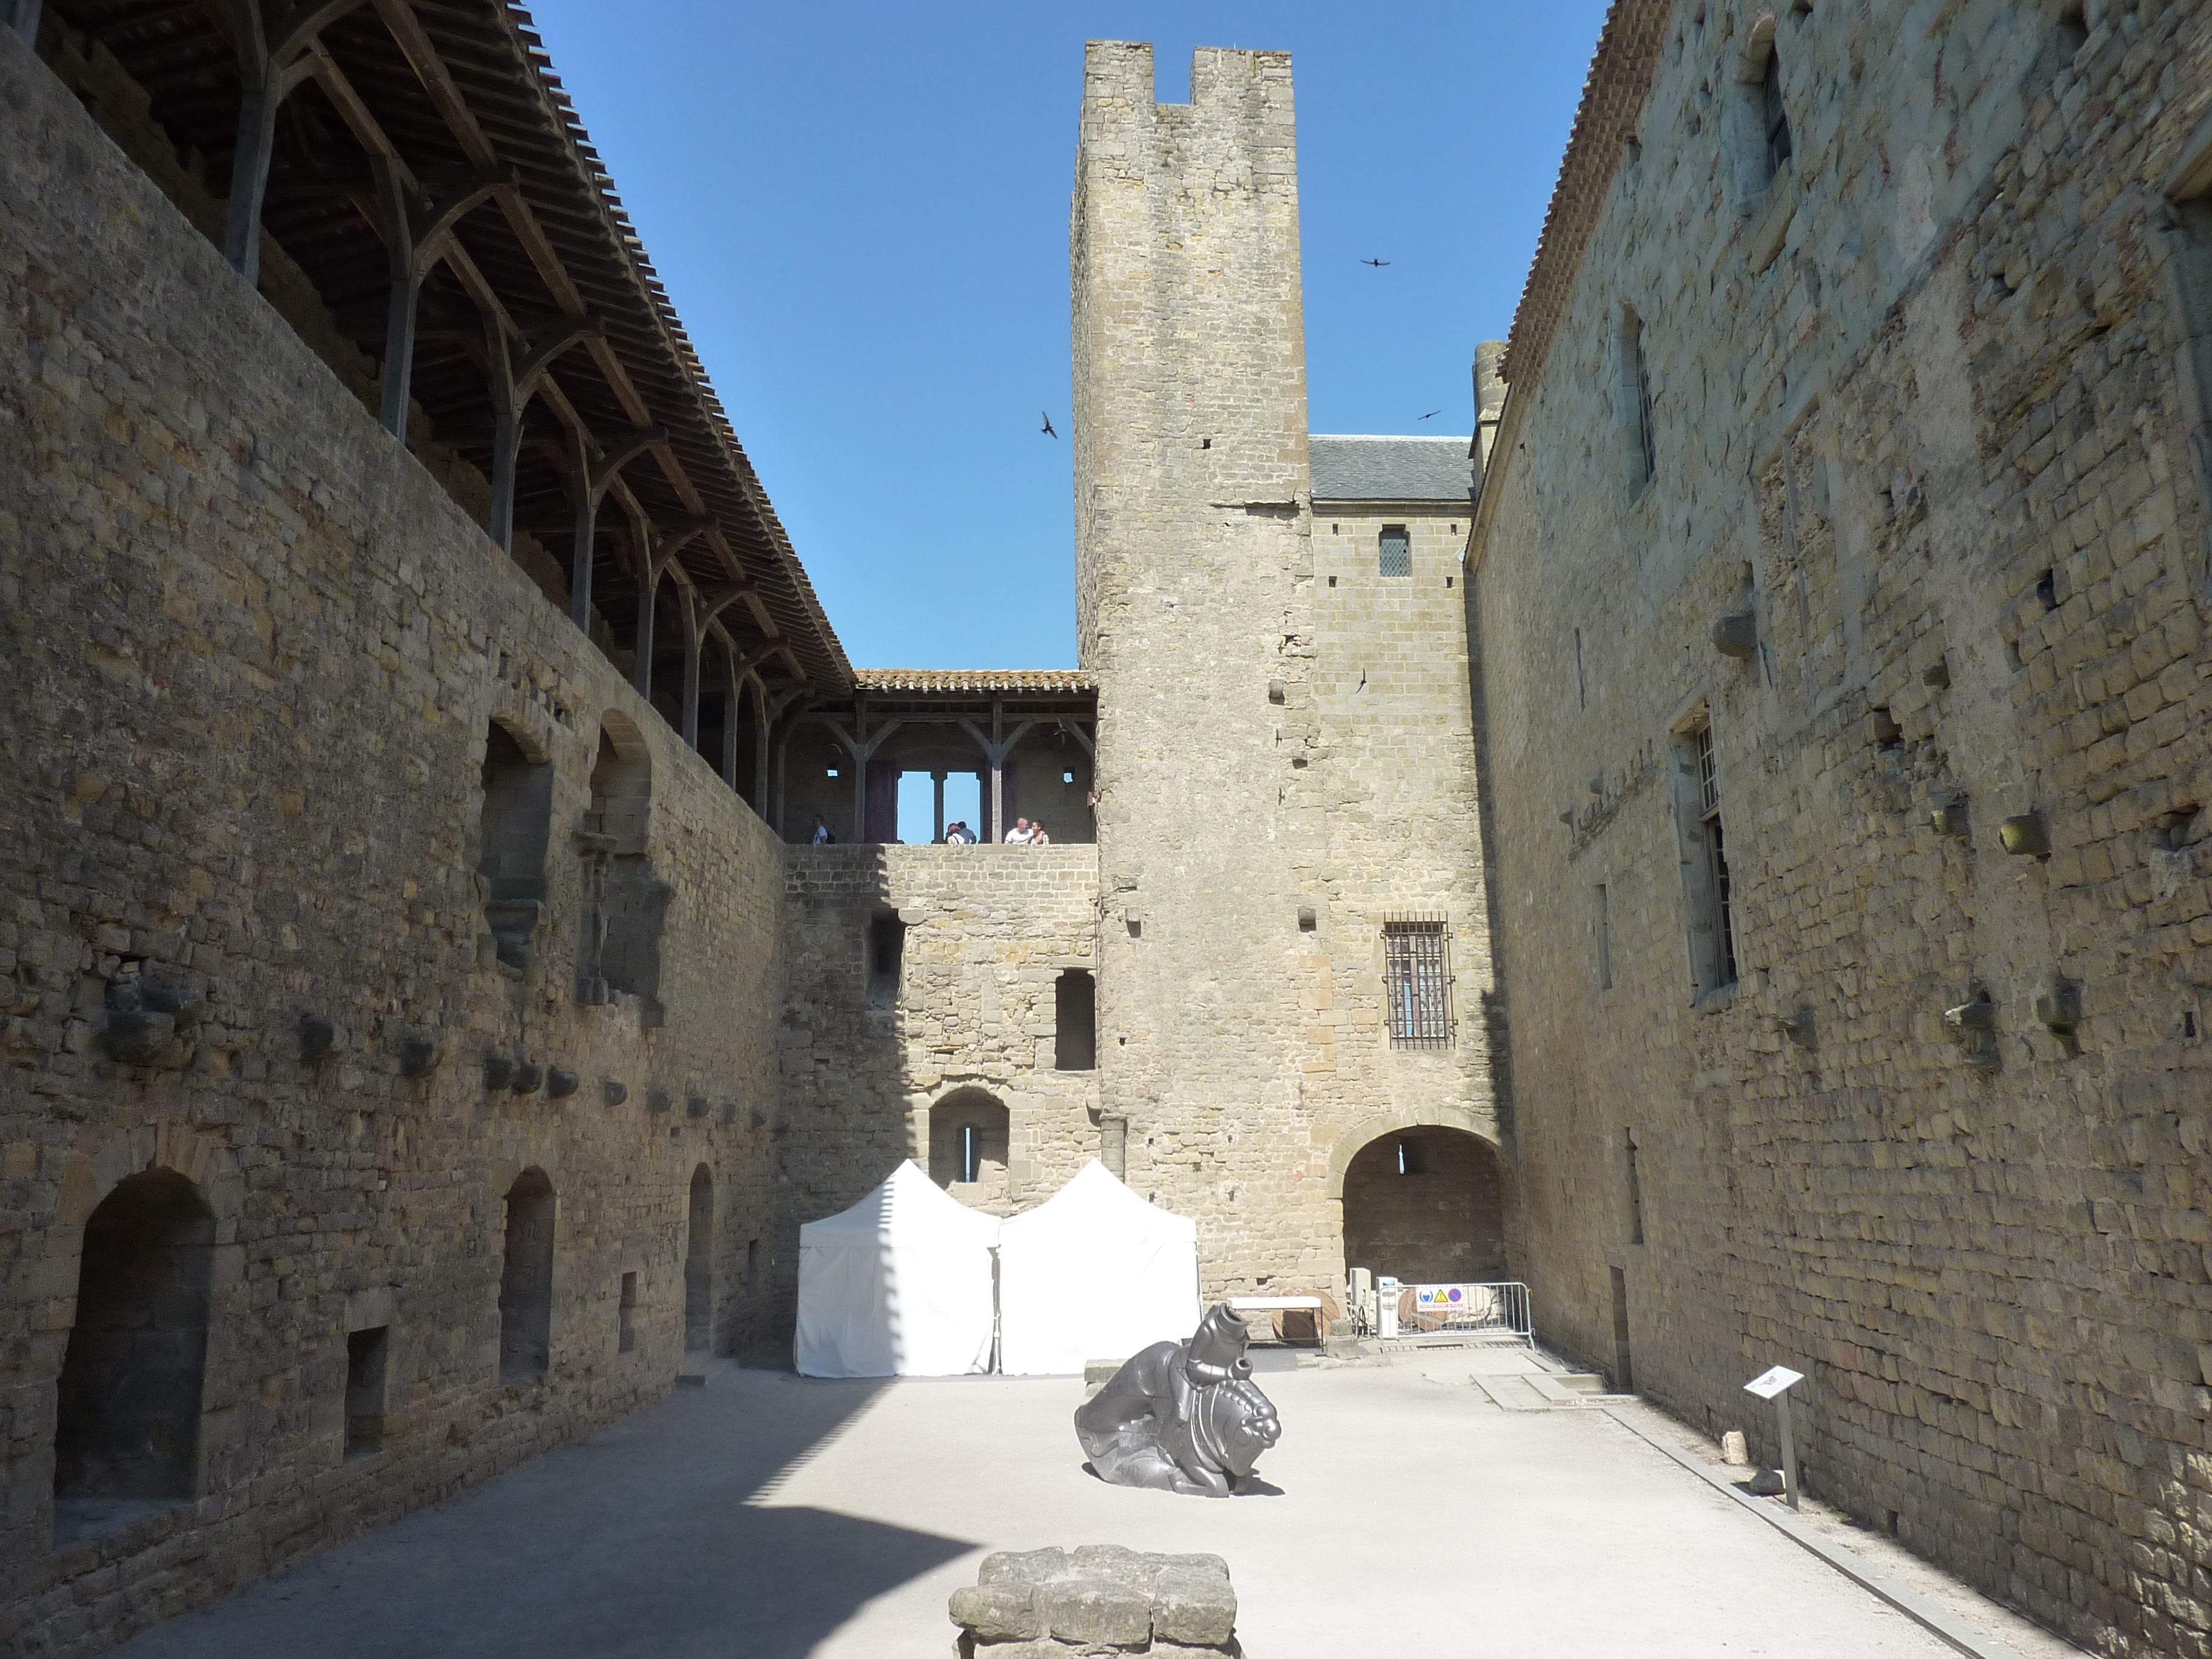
point(1775, 1384)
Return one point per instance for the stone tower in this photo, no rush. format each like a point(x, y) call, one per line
point(1241, 972)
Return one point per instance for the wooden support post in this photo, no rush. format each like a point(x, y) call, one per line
point(513, 384)
point(641, 672)
point(733, 701)
point(412, 239)
point(687, 599)
point(760, 748)
point(592, 479)
point(274, 56)
point(937, 780)
point(996, 748)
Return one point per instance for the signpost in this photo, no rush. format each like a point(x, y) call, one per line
point(1775, 1384)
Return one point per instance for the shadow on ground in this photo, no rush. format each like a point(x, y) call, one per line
point(647, 1538)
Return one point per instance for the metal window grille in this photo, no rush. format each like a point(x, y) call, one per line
point(1417, 971)
point(1397, 551)
point(1709, 808)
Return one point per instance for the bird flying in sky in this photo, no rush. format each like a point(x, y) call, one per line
point(1377, 263)
point(1047, 419)
point(1431, 413)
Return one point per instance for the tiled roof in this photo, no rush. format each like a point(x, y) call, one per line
point(973, 680)
point(1385, 469)
point(1612, 99)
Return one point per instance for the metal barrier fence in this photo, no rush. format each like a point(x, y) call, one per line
point(1496, 1311)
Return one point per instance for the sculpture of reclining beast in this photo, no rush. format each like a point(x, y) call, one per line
point(1182, 1416)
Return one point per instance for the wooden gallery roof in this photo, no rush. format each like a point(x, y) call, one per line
point(424, 149)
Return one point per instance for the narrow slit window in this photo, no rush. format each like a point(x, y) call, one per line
point(1775, 118)
point(1416, 973)
point(971, 1152)
point(1713, 927)
point(1397, 554)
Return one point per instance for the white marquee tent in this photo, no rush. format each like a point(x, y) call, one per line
point(898, 1286)
point(1093, 1272)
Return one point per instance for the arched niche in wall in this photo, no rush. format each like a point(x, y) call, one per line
point(513, 824)
point(625, 903)
point(126, 1431)
point(968, 1133)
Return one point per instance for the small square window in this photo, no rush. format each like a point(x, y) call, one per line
point(1397, 559)
point(832, 772)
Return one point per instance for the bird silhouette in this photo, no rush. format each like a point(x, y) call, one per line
point(1047, 419)
point(1377, 263)
point(1431, 413)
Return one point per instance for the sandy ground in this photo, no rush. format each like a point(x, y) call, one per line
point(772, 1516)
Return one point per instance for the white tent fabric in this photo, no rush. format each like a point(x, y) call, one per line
point(898, 1286)
point(1093, 1272)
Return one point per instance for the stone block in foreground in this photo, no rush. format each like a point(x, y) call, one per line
point(1101, 1599)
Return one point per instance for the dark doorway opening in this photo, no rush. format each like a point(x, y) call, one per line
point(1426, 1205)
point(699, 1266)
point(1075, 1029)
point(526, 1281)
point(127, 1415)
point(368, 1355)
point(1624, 1372)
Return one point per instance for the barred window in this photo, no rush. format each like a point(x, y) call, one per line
point(1712, 921)
point(1417, 971)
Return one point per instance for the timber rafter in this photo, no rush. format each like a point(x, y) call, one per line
point(430, 140)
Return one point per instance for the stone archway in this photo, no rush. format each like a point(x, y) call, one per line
point(1422, 1201)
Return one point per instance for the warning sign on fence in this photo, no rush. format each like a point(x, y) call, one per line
point(1449, 1299)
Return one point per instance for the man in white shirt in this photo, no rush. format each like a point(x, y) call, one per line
point(1020, 835)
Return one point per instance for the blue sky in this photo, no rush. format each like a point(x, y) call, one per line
point(861, 210)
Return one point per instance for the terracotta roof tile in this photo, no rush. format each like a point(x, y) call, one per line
point(1612, 99)
point(973, 680)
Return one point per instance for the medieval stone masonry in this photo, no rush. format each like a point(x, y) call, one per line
point(1840, 582)
point(1722, 846)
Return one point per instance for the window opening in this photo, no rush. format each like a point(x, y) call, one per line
point(969, 1131)
point(367, 1355)
point(1397, 551)
point(1713, 923)
point(1581, 686)
point(526, 1281)
point(626, 1314)
point(513, 825)
point(1411, 1159)
point(625, 903)
point(886, 951)
point(1635, 397)
point(1075, 1027)
point(1416, 975)
point(1775, 118)
point(1604, 930)
point(1635, 1190)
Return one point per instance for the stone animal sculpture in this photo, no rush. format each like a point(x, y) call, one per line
point(1182, 1416)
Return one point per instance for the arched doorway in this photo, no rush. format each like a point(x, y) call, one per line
point(968, 1130)
point(1425, 1204)
point(127, 1416)
point(526, 1281)
point(699, 1266)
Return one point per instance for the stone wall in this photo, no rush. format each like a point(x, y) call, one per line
point(1920, 406)
point(254, 653)
point(984, 935)
point(1283, 765)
